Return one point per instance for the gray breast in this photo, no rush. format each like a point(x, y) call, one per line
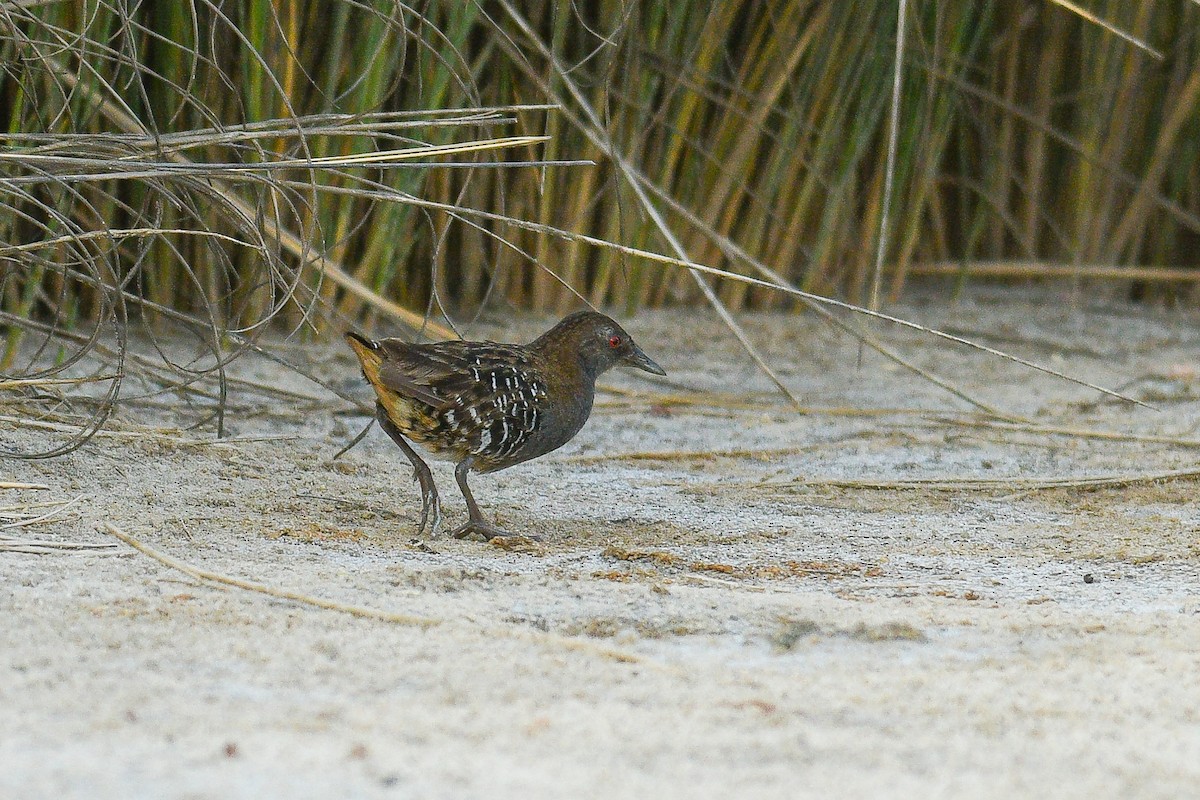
point(559, 424)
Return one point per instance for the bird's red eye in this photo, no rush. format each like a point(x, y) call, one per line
point(614, 341)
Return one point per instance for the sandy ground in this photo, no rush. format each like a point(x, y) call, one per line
point(891, 595)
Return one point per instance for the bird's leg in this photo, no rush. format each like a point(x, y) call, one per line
point(477, 523)
point(421, 473)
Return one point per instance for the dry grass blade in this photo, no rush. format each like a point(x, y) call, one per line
point(889, 170)
point(21, 510)
point(869, 313)
point(595, 131)
point(1030, 270)
point(1074, 432)
point(387, 156)
point(28, 515)
point(50, 547)
point(112, 234)
point(22, 382)
point(1108, 26)
point(759, 454)
point(23, 519)
point(719, 401)
point(19, 485)
point(293, 243)
point(666, 260)
point(991, 484)
point(736, 253)
point(173, 436)
point(79, 166)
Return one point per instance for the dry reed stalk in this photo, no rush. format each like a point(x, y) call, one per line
point(1108, 26)
point(1037, 270)
point(709, 580)
point(290, 240)
point(592, 126)
point(20, 510)
point(637, 399)
point(27, 515)
point(696, 397)
point(667, 403)
point(692, 266)
point(736, 253)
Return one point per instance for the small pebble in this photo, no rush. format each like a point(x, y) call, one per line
point(1089, 578)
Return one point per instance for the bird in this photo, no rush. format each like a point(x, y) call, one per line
point(487, 406)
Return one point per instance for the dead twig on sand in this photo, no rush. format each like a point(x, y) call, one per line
point(1081, 433)
point(990, 484)
point(365, 612)
point(25, 515)
point(762, 454)
point(638, 399)
point(171, 436)
point(24, 520)
point(46, 547)
point(207, 576)
point(17, 383)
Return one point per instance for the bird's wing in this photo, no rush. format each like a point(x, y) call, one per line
point(448, 374)
point(414, 371)
point(489, 395)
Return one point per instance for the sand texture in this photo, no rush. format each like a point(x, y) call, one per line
point(892, 594)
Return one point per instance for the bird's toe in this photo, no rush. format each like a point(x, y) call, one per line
point(477, 529)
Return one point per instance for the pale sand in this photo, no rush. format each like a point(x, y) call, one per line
point(691, 627)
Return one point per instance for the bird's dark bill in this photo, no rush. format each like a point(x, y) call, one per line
point(642, 361)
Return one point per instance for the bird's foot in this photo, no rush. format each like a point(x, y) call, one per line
point(431, 510)
point(478, 527)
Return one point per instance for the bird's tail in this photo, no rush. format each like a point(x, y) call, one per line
point(357, 340)
point(367, 351)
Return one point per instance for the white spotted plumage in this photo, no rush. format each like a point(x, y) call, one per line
point(490, 406)
point(491, 409)
point(495, 404)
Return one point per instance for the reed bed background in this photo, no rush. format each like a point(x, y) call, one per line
point(217, 169)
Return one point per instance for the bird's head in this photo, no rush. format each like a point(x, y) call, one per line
point(599, 343)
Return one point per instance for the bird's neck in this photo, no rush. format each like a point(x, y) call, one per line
point(570, 381)
point(563, 355)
